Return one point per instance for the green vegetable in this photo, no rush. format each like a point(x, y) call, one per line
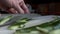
point(42, 30)
point(55, 31)
point(15, 27)
point(45, 28)
point(19, 24)
point(49, 26)
point(34, 32)
point(21, 32)
point(4, 20)
point(51, 23)
point(26, 32)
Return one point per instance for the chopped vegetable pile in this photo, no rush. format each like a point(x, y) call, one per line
point(51, 27)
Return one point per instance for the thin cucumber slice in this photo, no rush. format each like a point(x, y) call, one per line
point(55, 32)
point(4, 20)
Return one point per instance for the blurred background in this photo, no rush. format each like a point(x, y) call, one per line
point(43, 7)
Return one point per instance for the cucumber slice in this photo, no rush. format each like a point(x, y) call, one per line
point(4, 20)
point(15, 27)
point(34, 32)
point(18, 24)
point(43, 29)
point(55, 32)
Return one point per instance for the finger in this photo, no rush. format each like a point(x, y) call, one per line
point(9, 10)
point(18, 8)
point(24, 7)
point(12, 11)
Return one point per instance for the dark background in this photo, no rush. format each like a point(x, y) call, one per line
point(43, 7)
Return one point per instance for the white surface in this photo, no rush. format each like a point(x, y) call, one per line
point(39, 20)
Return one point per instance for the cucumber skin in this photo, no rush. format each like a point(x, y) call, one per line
point(4, 20)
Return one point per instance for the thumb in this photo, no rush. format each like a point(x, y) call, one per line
point(12, 10)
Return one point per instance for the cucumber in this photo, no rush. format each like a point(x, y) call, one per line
point(15, 27)
point(22, 31)
point(42, 29)
point(34, 32)
point(55, 32)
point(18, 24)
point(46, 28)
point(4, 20)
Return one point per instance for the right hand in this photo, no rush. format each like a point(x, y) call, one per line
point(14, 6)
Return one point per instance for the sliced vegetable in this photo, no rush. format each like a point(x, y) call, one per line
point(20, 24)
point(26, 32)
point(55, 32)
point(51, 23)
point(15, 27)
point(21, 32)
point(34, 32)
point(42, 30)
point(45, 28)
point(4, 20)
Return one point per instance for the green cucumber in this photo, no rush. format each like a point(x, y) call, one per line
point(18, 24)
point(15, 27)
point(4, 20)
point(55, 32)
point(42, 29)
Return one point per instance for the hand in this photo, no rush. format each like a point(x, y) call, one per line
point(14, 6)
